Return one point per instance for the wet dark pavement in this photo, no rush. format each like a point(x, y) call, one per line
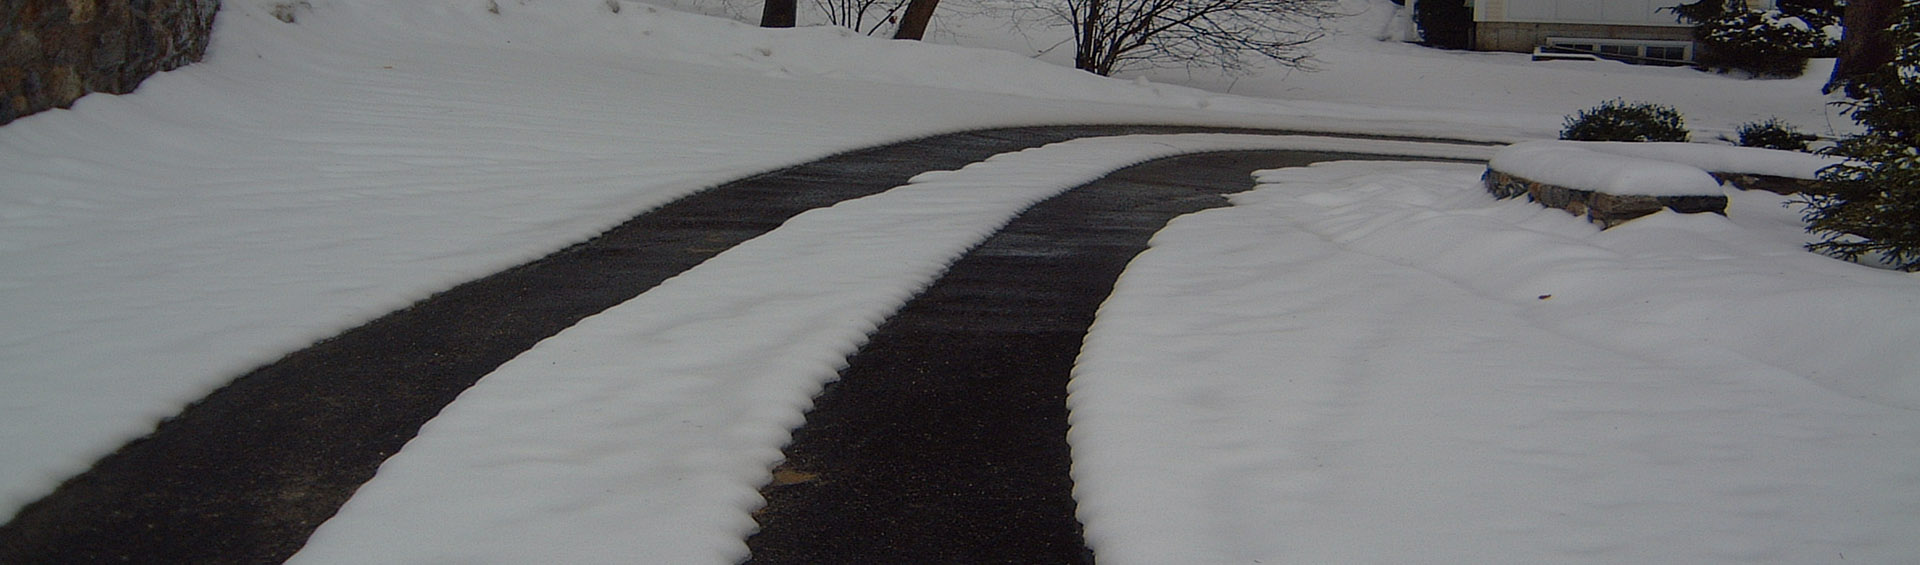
point(246, 474)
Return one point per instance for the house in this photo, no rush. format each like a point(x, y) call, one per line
point(1631, 30)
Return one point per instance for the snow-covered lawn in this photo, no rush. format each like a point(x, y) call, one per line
point(1364, 363)
point(1375, 362)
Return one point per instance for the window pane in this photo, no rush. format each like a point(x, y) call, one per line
point(1674, 53)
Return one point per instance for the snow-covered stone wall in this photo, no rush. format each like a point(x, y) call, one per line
point(1715, 158)
point(1613, 182)
point(1603, 208)
point(52, 52)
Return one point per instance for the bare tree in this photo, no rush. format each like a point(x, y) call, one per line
point(1110, 35)
point(913, 24)
point(864, 16)
point(779, 13)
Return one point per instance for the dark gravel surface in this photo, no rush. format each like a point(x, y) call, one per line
point(245, 474)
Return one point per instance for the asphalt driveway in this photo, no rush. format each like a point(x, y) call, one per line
point(246, 474)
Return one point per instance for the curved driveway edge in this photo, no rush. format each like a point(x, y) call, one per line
point(245, 474)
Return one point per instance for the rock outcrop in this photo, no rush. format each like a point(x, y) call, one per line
point(52, 52)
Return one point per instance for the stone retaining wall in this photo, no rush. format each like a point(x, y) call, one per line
point(1607, 210)
point(52, 52)
point(1777, 185)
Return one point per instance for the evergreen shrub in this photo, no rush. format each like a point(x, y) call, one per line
point(1619, 120)
point(1823, 15)
point(1763, 44)
point(1870, 208)
point(1774, 134)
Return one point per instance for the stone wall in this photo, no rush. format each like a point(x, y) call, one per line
point(1607, 210)
point(1783, 186)
point(52, 52)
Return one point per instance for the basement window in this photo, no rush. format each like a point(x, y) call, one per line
point(1636, 51)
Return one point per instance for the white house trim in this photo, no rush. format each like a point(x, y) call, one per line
point(1624, 26)
point(1601, 12)
point(1606, 12)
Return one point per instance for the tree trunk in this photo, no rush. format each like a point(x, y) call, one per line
point(913, 23)
point(779, 13)
point(1865, 44)
point(1087, 50)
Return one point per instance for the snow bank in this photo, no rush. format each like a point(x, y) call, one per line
point(1376, 363)
point(1722, 158)
point(1649, 169)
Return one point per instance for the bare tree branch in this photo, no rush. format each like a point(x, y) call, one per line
point(869, 17)
point(1109, 35)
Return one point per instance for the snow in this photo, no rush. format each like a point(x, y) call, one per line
point(1573, 165)
point(1376, 365)
point(1649, 169)
point(1369, 370)
point(1721, 158)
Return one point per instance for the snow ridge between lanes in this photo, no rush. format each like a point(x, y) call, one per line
point(647, 429)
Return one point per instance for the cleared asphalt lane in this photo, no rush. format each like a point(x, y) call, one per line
point(246, 474)
point(945, 439)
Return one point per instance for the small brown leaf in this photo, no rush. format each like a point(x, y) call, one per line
point(784, 477)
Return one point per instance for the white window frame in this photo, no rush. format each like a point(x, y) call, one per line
point(1639, 45)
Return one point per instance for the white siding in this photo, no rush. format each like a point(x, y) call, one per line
point(1617, 12)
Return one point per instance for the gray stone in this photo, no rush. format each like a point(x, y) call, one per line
point(1769, 183)
point(52, 52)
point(1606, 210)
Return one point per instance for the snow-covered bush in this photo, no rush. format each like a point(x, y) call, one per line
point(1823, 15)
point(1700, 11)
point(1773, 134)
point(1764, 44)
point(1871, 208)
point(1619, 120)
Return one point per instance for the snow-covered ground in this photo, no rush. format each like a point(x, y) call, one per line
point(1358, 74)
point(1374, 365)
point(1379, 362)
